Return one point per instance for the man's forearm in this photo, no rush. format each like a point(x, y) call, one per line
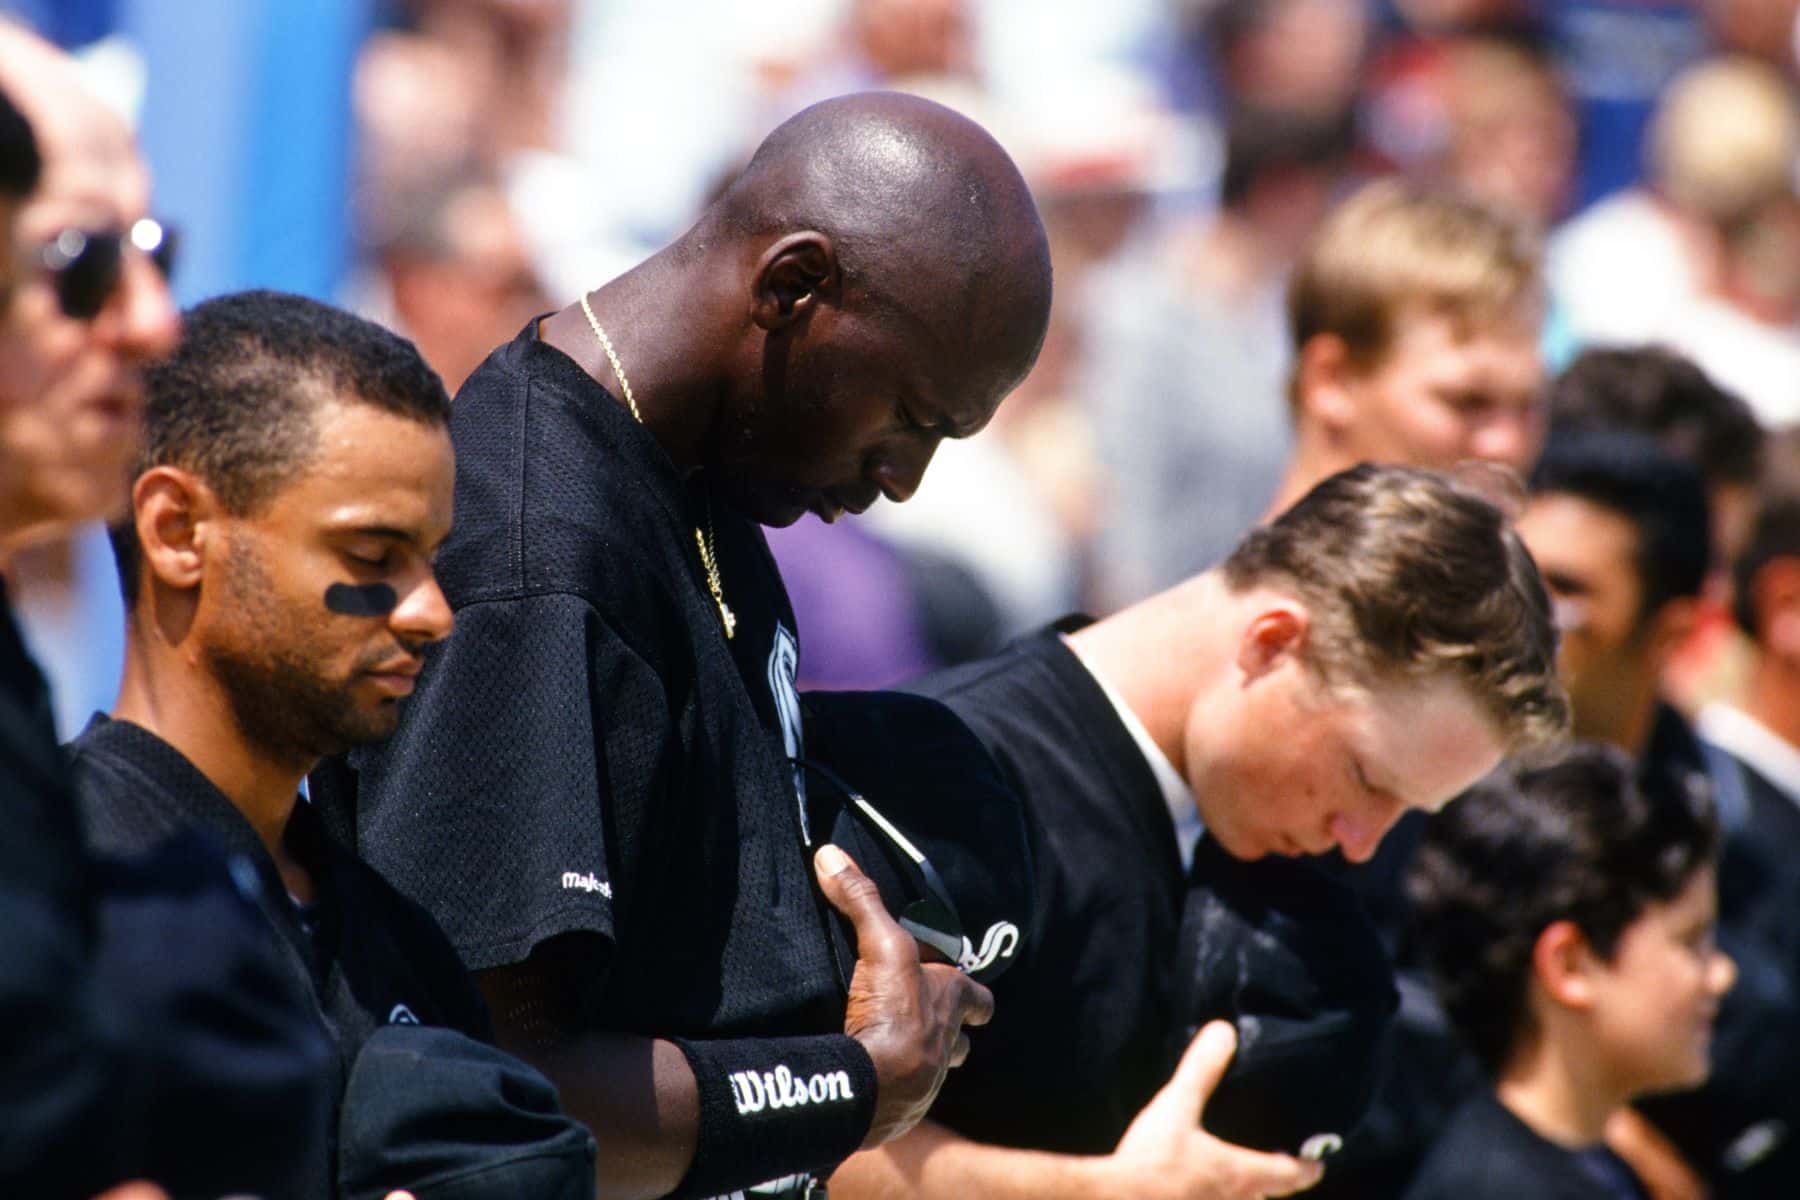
point(638, 1098)
point(935, 1163)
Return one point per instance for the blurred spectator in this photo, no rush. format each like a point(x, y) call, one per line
point(462, 92)
point(1302, 59)
point(1746, 329)
point(1567, 916)
point(1687, 258)
point(457, 275)
point(1659, 393)
point(1620, 531)
point(1510, 141)
point(1186, 355)
point(1414, 319)
point(464, 79)
point(1483, 115)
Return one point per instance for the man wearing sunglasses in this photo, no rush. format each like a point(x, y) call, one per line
point(1374, 649)
point(90, 306)
point(146, 1029)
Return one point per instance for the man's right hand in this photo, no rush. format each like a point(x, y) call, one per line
point(908, 1015)
point(1165, 1155)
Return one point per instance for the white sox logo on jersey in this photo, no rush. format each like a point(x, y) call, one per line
point(784, 671)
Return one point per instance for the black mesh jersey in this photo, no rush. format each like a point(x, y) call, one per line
point(376, 959)
point(587, 754)
point(1081, 1021)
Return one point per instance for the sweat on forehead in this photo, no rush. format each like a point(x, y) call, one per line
point(237, 402)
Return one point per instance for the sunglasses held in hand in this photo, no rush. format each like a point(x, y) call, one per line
point(87, 264)
point(931, 914)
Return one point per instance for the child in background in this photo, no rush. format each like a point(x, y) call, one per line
point(1566, 913)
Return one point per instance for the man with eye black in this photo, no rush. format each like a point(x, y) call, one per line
point(294, 485)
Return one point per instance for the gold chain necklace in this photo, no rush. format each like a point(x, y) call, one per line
point(706, 541)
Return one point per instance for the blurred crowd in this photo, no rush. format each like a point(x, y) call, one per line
point(1601, 201)
point(1182, 153)
point(509, 152)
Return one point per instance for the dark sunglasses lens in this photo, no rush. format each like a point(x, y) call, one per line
point(936, 926)
point(83, 286)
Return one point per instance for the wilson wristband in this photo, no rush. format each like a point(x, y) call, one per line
point(775, 1107)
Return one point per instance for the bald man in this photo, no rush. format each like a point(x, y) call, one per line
point(590, 790)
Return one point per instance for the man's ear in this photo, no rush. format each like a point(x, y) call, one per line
point(1564, 962)
point(1278, 629)
point(175, 515)
point(792, 277)
point(1325, 376)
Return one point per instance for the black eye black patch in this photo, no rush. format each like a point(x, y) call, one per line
point(361, 600)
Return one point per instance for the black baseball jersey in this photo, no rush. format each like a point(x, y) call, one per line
point(1487, 1153)
point(368, 956)
point(1081, 1021)
point(587, 753)
point(121, 1051)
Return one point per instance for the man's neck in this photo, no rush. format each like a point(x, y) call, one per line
point(657, 319)
point(1557, 1095)
point(1155, 654)
point(185, 707)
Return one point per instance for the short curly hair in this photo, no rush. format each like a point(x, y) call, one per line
point(1407, 574)
point(1586, 839)
point(235, 404)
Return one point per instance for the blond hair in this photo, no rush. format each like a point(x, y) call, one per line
point(1724, 139)
point(1394, 248)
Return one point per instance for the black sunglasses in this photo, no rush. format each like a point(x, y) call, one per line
point(932, 917)
point(87, 263)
